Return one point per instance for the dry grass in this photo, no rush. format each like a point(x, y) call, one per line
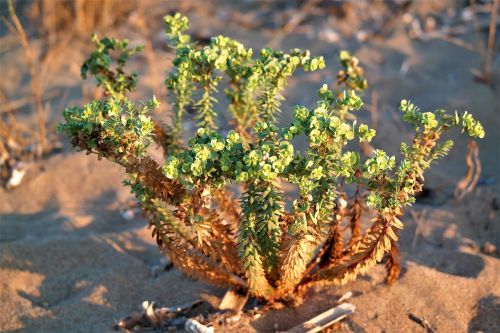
point(35, 80)
point(491, 40)
point(58, 18)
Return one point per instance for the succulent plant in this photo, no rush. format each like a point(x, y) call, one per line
point(257, 245)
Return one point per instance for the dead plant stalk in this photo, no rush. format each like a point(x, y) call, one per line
point(35, 82)
point(491, 40)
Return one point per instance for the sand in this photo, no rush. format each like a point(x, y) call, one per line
point(69, 261)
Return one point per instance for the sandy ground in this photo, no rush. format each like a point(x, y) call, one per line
point(69, 262)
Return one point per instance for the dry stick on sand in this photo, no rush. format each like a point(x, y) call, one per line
point(468, 183)
point(324, 319)
point(422, 322)
point(491, 41)
point(35, 82)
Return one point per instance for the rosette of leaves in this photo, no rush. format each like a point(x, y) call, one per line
point(256, 244)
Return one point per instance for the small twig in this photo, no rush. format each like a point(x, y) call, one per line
point(469, 182)
point(422, 322)
point(324, 319)
point(345, 297)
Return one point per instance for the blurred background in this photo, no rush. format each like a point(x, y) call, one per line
point(71, 239)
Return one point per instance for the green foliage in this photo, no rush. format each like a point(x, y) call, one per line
point(199, 70)
point(115, 81)
point(351, 74)
point(110, 128)
point(260, 246)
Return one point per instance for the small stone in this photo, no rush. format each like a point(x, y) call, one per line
point(329, 35)
point(128, 214)
point(233, 319)
point(489, 248)
point(17, 175)
point(156, 270)
point(362, 36)
point(165, 262)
